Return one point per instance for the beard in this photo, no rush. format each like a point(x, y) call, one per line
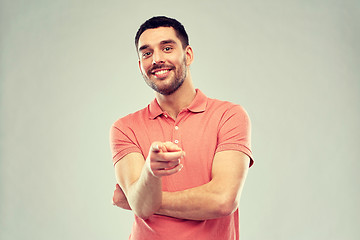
point(175, 82)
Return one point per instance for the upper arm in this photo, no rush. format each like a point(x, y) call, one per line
point(235, 132)
point(233, 157)
point(127, 157)
point(229, 172)
point(128, 169)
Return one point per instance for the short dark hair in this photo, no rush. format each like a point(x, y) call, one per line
point(162, 21)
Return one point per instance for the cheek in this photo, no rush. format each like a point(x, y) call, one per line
point(144, 67)
point(174, 61)
point(179, 60)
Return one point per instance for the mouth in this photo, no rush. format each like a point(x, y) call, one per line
point(161, 72)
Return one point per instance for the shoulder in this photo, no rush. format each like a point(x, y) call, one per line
point(226, 107)
point(125, 128)
point(132, 119)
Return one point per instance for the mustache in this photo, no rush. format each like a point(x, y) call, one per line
point(160, 66)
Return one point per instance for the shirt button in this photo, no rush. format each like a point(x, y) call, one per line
point(176, 141)
point(165, 115)
point(176, 127)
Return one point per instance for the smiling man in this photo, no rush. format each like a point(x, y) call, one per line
point(182, 161)
point(165, 77)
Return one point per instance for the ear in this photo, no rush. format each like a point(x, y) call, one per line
point(139, 65)
point(189, 54)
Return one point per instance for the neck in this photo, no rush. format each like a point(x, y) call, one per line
point(180, 99)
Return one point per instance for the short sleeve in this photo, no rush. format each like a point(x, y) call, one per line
point(234, 132)
point(122, 141)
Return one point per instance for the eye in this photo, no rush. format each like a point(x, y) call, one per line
point(167, 49)
point(146, 54)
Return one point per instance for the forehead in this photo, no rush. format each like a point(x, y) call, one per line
point(155, 36)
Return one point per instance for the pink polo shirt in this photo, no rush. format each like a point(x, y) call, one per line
point(205, 127)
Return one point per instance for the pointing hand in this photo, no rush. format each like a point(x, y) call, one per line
point(164, 159)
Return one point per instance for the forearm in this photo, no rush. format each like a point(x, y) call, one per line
point(199, 203)
point(144, 195)
point(122, 204)
point(141, 180)
point(119, 199)
point(217, 198)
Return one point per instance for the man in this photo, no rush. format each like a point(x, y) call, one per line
point(181, 162)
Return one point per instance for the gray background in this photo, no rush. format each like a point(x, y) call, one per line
point(69, 70)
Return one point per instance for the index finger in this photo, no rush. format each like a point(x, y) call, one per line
point(172, 147)
point(170, 156)
point(157, 147)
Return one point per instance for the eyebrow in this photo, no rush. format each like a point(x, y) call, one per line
point(143, 47)
point(161, 43)
point(167, 42)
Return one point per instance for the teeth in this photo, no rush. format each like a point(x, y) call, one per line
point(161, 72)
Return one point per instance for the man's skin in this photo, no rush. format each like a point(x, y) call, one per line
point(164, 63)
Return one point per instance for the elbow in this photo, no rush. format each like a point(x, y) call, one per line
point(143, 216)
point(144, 213)
point(226, 206)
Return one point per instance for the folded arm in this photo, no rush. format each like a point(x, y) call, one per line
point(220, 197)
point(140, 179)
point(119, 198)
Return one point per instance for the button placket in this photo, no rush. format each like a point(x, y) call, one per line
point(176, 133)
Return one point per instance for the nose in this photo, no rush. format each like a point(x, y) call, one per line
point(157, 57)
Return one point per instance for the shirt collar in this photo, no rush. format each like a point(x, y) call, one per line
point(197, 105)
point(154, 109)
